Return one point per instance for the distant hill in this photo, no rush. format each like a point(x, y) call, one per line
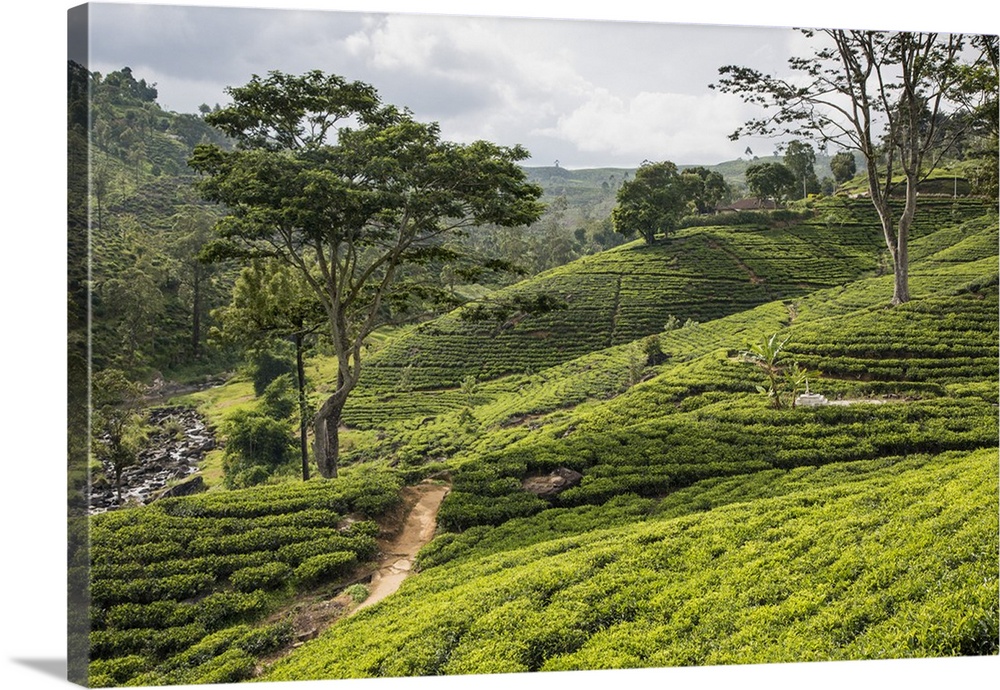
point(592, 186)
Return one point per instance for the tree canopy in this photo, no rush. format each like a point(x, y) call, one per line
point(882, 94)
point(843, 166)
point(651, 203)
point(800, 159)
point(271, 300)
point(771, 181)
point(704, 188)
point(358, 197)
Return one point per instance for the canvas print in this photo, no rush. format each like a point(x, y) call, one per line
point(406, 345)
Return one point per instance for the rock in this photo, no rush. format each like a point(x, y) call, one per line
point(192, 486)
point(180, 438)
point(811, 400)
point(553, 484)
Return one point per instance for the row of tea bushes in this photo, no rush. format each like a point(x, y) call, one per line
point(729, 438)
point(622, 295)
point(946, 334)
point(898, 561)
point(615, 297)
point(178, 587)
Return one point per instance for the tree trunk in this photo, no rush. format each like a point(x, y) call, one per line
point(901, 257)
point(303, 424)
point(326, 426)
point(901, 273)
point(196, 316)
point(896, 243)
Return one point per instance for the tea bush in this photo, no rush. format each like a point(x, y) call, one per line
point(884, 559)
point(170, 579)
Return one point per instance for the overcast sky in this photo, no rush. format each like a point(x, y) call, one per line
point(583, 92)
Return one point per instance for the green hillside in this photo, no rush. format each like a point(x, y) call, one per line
point(710, 529)
point(707, 528)
point(887, 559)
point(618, 296)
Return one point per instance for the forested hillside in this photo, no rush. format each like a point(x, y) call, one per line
point(152, 299)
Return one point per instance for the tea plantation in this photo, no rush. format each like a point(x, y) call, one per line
point(176, 585)
point(892, 558)
point(615, 297)
point(709, 526)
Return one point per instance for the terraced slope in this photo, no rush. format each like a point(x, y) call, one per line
point(932, 362)
point(880, 560)
point(707, 528)
point(618, 296)
point(839, 331)
point(180, 588)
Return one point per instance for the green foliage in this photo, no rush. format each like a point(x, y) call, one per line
point(117, 427)
point(704, 188)
point(182, 583)
point(267, 576)
point(653, 350)
point(619, 296)
point(652, 203)
point(784, 381)
point(771, 181)
point(151, 298)
point(266, 368)
point(357, 592)
point(302, 188)
point(800, 159)
point(325, 566)
point(278, 400)
point(844, 166)
point(898, 560)
point(256, 446)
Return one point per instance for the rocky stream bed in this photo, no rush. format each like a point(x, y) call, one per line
point(179, 440)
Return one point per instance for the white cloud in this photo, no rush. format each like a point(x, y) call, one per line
point(652, 125)
point(394, 44)
point(586, 92)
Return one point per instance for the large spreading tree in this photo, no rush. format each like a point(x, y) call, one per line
point(881, 94)
point(800, 159)
point(358, 197)
point(652, 203)
point(771, 181)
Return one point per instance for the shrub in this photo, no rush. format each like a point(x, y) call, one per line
point(265, 368)
point(267, 576)
point(278, 401)
point(105, 672)
point(365, 528)
point(324, 567)
point(357, 592)
point(256, 445)
point(225, 608)
point(231, 666)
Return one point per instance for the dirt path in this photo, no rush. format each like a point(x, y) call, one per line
point(398, 554)
point(408, 528)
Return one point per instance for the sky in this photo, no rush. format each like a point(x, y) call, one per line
point(583, 92)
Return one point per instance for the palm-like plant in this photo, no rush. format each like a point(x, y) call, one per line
point(766, 355)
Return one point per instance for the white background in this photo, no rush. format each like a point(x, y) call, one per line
point(32, 336)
